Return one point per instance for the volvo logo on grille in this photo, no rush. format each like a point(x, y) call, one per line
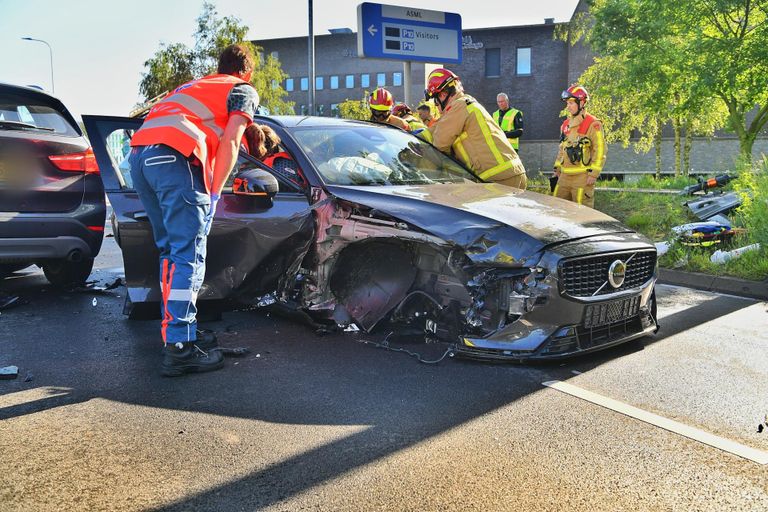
point(616, 273)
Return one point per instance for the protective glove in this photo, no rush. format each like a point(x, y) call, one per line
point(214, 201)
point(209, 218)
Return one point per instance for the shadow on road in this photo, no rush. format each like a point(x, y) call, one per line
point(299, 378)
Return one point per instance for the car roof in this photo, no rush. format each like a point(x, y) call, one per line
point(26, 89)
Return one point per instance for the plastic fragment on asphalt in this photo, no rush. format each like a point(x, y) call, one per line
point(115, 284)
point(234, 351)
point(8, 301)
point(352, 328)
point(9, 372)
point(94, 302)
point(266, 300)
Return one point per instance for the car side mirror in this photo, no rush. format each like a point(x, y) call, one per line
point(257, 184)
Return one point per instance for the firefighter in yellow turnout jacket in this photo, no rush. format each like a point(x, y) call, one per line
point(466, 130)
point(581, 155)
point(418, 128)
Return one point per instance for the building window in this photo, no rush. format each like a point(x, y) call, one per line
point(350, 81)
point(523, 61)
point(381, 79)
point(397, 79)
point(304, 83)
point(492, 62)
point(334, 82)
point(318, 83)
point(275, 55)
point(365, 80)
point(289, 84)
point(335, 110)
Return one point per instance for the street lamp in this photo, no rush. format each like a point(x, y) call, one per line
point(50, 51)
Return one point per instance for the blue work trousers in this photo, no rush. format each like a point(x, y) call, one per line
point(179, 208)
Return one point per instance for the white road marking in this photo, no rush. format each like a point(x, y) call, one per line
point(753, 454)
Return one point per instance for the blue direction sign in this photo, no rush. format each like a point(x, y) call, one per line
point(408, 33)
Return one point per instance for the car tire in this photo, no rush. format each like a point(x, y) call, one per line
point(66, 274)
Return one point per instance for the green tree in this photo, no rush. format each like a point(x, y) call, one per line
point(175, 64)
point(355, 109)
point(639, 83)
point(708, 59)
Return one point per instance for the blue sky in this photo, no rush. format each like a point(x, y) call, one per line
point(99, 46)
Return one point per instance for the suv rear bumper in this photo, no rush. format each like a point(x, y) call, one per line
point(22, 250)
point(31, 237)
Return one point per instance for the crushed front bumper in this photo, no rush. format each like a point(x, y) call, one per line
point(567, 327)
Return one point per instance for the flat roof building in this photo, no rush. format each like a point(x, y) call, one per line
point(525, 62)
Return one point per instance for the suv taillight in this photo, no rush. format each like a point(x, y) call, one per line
point(77, 162)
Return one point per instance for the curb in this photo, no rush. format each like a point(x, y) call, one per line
point(720, 284)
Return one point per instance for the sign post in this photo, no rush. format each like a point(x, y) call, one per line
point(408, 34)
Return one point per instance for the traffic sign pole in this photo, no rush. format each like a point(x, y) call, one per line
point(407, 82)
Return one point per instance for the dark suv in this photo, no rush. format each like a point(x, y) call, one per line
point(52, 206)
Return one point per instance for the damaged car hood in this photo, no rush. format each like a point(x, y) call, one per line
point(486, 219)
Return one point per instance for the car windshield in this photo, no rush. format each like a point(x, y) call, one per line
point(372, 155)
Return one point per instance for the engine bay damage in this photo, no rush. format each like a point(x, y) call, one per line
point(369, 269)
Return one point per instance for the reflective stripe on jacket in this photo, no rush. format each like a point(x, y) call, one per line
point(507, 124)
point(582, 126)
point(191, 120)
point(468, 130)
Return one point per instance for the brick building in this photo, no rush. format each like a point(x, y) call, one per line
point(523, 61)
point(526, 62)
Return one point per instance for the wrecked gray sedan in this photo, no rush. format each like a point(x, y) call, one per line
point(365, 224)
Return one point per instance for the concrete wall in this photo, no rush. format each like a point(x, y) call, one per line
point(537, 94)
point(707, 156)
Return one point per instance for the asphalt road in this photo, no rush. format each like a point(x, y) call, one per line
point(308, 422)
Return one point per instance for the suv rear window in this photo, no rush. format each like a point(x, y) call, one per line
point(17, 108)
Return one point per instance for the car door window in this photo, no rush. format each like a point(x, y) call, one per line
point(290, 182)
point(118, 146)
point(284, 169)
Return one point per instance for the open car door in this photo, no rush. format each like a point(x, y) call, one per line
point(253, 247)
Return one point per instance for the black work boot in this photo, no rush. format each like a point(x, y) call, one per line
point(206, 340)
point(189, 359)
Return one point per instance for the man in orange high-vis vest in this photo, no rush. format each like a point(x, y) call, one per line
point(467, 131)
point(182, 155)
point(581, 155)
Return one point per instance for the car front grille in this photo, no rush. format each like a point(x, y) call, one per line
point(588, 276)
